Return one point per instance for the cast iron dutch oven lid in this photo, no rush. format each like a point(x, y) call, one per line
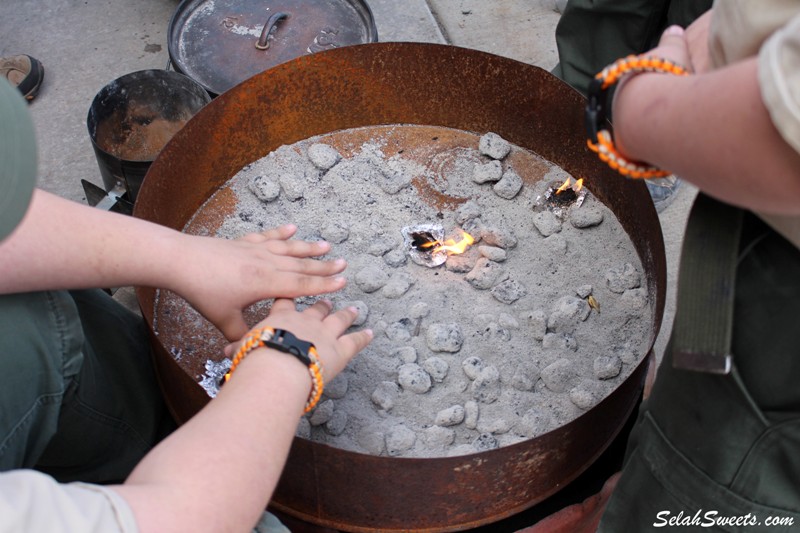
point(220, 43)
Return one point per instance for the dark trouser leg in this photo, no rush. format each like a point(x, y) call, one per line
point(594, 33)
point(725, 444)
point(79, 396)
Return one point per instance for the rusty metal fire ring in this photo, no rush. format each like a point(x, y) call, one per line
point(405, 83)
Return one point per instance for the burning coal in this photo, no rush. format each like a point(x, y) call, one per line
point(427, 246)
point(568, 193)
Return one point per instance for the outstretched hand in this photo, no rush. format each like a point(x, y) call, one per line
point(318, 325)
point(220, 277)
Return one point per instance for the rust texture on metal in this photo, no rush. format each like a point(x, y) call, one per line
point(405, 83)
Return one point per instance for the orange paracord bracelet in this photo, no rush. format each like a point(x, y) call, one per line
point(600, 140)
point(284, 341)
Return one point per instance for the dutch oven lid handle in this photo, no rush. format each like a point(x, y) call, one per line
point(263, 41)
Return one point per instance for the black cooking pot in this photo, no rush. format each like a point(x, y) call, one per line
point(220, 43)
point(132, 118)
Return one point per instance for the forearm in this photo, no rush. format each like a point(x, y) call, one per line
point(61, 244)
point(714, 131)
point(218, 471)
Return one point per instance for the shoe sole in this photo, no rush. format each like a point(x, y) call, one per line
point(37, 68)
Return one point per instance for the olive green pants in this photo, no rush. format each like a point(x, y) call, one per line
point(78, 394)
point(722, 452)
point(591, 34)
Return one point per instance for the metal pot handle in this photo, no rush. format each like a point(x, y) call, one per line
point(263, 41)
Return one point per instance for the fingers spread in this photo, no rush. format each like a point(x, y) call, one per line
point(282, 305)
point(298, 248)
point(294, 285)
point(352, 343)
point(341, 320)
point(313, 267)
point(281, 232)
point(319, 309)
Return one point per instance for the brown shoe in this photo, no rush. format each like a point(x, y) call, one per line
point(23, 72)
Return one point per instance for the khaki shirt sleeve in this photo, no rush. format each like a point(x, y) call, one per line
point(771, 30)
point(779, 79)
point(34, 502)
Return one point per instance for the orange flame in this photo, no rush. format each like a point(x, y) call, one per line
point(452, 247)
point(576, 187)
point(563, 186)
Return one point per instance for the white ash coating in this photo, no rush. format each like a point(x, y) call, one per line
point(385, 395)
point(567, 313)
point(322, 413)
point(498, 236)
point(361, 308)
point(509, 185)
point(493, 253)
point(399, 439)
point(437, 368)
point(508, 291)
point(621, 278)
point(585, 217)
point(491, 348)
point(323, 156)
point(547, 223)
point(337, 387)
point(371, 278)
point(584, 291)
point(413, 377)
point(472, 366)
point(469, 210)
point(265, 188)
point(444, 337)
point(461, 263)
point(485, 274)
point(406, 354)
point(490, 171)
point(607, 366)
point(451, 416)
point(335, 233)
point(494, 146)
point(471, 414)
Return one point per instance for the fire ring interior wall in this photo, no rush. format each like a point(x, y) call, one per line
point(405, 83)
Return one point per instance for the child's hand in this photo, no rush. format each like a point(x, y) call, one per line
point(326, 330)
point(220, 278)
